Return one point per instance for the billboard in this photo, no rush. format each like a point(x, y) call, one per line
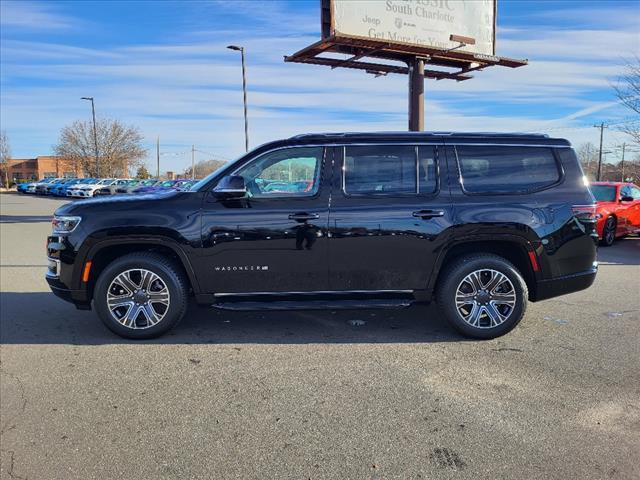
point(427, 23)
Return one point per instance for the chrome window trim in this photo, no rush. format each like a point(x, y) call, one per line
point(444, 141)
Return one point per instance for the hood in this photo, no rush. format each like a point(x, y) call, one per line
point(117, 202)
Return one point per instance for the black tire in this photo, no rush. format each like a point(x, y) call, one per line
point(167, 271)
point(609, 232)
point(451, 280)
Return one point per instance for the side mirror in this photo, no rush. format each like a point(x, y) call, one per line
point(626, 198)
point(232, 186)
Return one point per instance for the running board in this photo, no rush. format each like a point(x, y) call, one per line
point(240, 306)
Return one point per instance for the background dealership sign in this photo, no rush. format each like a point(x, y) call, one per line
point(435, 39)
point(427, 23)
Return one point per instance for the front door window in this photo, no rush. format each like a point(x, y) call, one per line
point(291, 172)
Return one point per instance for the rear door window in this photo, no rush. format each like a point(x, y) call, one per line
point(497, 169)
point(389, 170)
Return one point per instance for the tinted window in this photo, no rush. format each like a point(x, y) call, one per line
point(287, 172)
point(498, 169)
point(387, 169)
point(604, 193)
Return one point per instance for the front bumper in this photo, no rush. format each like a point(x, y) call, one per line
point(567, 284)
point(60, 290)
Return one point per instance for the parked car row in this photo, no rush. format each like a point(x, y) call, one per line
point(91, 187)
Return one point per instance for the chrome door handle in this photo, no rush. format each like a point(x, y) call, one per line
point(425, 214)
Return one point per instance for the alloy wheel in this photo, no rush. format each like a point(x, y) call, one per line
point(610, 231)
point(485, 298)
point(138, 298)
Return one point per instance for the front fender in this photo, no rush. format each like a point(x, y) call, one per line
point(92, 248)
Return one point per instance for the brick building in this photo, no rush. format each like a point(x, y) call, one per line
point(23, 169)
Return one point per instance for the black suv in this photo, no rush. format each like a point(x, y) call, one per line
point(482, 223)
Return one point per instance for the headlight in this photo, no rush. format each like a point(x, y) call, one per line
point(64, 224)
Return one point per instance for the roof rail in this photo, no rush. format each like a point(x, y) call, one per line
point(440, 134)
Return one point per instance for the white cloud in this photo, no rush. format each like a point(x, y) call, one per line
point(188, 91)
point(33, 16)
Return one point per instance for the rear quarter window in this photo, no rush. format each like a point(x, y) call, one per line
point(506, 170)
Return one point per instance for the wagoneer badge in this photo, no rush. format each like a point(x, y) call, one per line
point(242, 268)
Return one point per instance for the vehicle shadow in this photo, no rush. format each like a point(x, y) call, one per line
point(624, 251)
point(41, 318)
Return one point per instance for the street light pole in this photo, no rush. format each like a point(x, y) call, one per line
point(193, 162)
point(244, 94)
point(95, 134)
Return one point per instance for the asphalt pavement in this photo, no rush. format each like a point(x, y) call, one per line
point(314, 395)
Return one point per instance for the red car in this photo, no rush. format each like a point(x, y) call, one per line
point(619, 210)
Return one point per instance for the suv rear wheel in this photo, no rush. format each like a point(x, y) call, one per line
point(141, 295)
point(482, 296)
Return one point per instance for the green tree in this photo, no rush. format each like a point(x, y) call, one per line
point(142, 173)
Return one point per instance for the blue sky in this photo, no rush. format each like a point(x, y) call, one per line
point(163, 67)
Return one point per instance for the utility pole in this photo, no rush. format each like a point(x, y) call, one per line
point(193, 162)
point(95, 133)
point(624, 145)
point(158, 158)
point(601, 127)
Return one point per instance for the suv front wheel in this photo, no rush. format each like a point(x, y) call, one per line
point(482, 296)
point(141, 295)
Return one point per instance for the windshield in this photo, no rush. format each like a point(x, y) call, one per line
point(167, 183)
point(604, 193)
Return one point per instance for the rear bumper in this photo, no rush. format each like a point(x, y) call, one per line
point(566, 284)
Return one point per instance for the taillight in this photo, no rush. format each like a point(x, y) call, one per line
point(585, 213)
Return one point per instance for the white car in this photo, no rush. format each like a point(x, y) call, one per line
point(87, 191)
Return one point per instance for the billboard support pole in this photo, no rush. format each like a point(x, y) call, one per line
point(416, 95)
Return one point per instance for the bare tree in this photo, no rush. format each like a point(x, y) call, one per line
point(628, 92)
point(119, 147)
point(204, 168)
point(588, 156)
point(5, 156)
